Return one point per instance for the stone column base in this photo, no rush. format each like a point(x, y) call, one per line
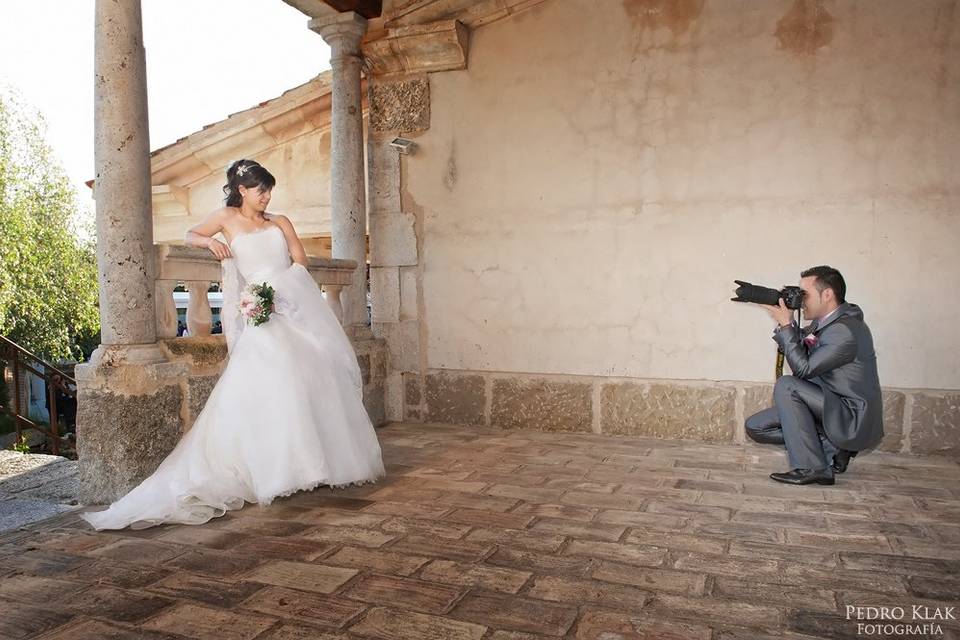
point(129, 417)
point(372, 358)
point(205, 358)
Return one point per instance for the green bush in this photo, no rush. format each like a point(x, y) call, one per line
point(48, 267)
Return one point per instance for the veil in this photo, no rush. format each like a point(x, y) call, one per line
point(230, 318)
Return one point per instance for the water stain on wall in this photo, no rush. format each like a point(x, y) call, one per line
point(675, 15)
point(450, 175)
point(808, 26)
point(943, 35)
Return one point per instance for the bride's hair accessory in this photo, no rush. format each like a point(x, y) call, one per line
point(237, 177)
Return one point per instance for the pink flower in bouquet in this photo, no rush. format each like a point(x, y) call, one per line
point(257, 303)
point(247, 300)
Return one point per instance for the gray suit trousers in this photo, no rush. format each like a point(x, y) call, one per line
point(795, 421)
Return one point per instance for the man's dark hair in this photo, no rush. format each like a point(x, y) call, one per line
point(828, 278)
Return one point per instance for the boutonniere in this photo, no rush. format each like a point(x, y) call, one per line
point(811, 340)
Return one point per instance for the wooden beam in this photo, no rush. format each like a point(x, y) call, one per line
point(366, 8)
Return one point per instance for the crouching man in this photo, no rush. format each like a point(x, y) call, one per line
point(831, 407)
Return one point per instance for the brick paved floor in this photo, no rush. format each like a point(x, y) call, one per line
point(515, 536)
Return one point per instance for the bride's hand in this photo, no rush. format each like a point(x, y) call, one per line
point(219, 249)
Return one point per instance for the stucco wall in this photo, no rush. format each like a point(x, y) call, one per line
point(593, 183)
point(301, 166)
point(302, 169)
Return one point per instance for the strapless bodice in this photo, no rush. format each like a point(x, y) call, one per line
point(261, 255)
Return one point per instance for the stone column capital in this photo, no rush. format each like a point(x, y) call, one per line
point(343, 30)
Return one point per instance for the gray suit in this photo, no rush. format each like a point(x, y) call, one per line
point(833, 398)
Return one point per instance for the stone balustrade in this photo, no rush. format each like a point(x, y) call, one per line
point(197, 268)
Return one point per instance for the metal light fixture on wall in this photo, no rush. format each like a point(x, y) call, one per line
point(403, 145)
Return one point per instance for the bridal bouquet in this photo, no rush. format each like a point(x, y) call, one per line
point(257, 304)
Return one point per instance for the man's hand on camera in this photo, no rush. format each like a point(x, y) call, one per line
point(781, 314)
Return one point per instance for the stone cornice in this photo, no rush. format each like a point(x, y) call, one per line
point(427, 36)
point(426, 48)
point(472, 13)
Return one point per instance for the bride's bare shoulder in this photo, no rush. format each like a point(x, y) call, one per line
point(225, 213)
point(221, 215)
point(213, 223)
point(280, 220)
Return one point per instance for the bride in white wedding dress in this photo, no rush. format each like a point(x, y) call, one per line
point(287, 413)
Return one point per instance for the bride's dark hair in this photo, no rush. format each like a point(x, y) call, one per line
point(246, 173)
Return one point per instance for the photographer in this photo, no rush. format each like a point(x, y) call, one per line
point(831, 407)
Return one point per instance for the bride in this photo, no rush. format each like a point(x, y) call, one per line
point(287, 413)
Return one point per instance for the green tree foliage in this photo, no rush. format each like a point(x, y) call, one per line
point(48, 272)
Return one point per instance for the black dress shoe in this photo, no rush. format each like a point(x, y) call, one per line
point(804, 476)
point(842, 460)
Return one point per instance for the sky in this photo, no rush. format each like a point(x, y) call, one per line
point(206, 59)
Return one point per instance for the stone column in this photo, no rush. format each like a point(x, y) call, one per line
point(122, 183)
point(399, 106)
point(129, 398)
point(343, 33)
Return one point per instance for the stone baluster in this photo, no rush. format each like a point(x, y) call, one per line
point(166, 309)
point(333, 299)
point(199, 314)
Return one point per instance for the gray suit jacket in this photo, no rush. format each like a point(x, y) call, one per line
point(844, 364)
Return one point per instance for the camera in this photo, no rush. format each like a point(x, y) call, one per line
point(746, 292)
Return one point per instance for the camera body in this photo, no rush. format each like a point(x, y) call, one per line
point(746, 292)
point(792, 297)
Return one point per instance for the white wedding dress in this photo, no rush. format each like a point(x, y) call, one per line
point(286, 415)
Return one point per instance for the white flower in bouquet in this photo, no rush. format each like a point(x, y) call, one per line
point(257, 303)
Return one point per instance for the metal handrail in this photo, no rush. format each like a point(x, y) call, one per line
point(22, 359)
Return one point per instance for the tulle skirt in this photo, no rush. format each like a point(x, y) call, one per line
point(286, 415)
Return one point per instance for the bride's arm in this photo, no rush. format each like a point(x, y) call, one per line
point(202, 234)
point(297, 251)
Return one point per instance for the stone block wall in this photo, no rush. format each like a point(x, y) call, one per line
point(206, 358)
point(372, 357)
point(915, 421)
point(399, 107)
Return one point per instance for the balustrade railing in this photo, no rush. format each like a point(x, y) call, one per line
point(196, 268)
